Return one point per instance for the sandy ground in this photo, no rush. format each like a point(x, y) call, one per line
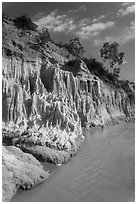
point(102, 171)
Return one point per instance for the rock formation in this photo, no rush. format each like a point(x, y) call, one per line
point(19, 170)
point(46, 103)
point(39, 102)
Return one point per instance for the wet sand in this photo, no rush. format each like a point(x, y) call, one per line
point(102, 171)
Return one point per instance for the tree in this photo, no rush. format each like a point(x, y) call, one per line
point(43, 37)
point(110, 52)
point(75, 47)
point(94, 66)
point(25, 23)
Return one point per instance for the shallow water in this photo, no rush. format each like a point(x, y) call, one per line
point(102, 171)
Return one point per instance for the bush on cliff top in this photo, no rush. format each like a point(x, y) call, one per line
point(74, 47)
point(43, 37)
point(25, 23)
point(95, 67)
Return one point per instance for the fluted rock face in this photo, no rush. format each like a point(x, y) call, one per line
point(48, 104)
point(99, 104)
point(38, 101)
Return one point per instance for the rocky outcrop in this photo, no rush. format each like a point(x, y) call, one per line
point(45, 104)
point(48, 104)
point(38, 101)
point(19, 170)
point(47, 101)
point(99, 103)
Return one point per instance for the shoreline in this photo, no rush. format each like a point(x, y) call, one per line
point(93, 153)
point(58, 158)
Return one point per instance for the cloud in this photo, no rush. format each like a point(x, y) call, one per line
point(86, 28)
point(38, 16)
point(81, 8)
point(128, 10)
point(126, 35)
point(98, 18)
point(127, 3)
point(94, 29)
point(89, 21)
point(56, 23)
point(85, 22)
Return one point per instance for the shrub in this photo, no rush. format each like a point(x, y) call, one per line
point(25, 23)
point(43, 37)
point(71, 63)
point(73, 66)
point(74, 47)
point(97, 68)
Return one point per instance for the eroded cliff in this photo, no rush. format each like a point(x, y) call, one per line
point(46, 102)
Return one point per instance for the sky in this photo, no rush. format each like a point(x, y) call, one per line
point(93, 22)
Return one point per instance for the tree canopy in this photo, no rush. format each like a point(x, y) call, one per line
point(75, 47)
point(110, 52)
point(25, 23)
point(43, 37)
